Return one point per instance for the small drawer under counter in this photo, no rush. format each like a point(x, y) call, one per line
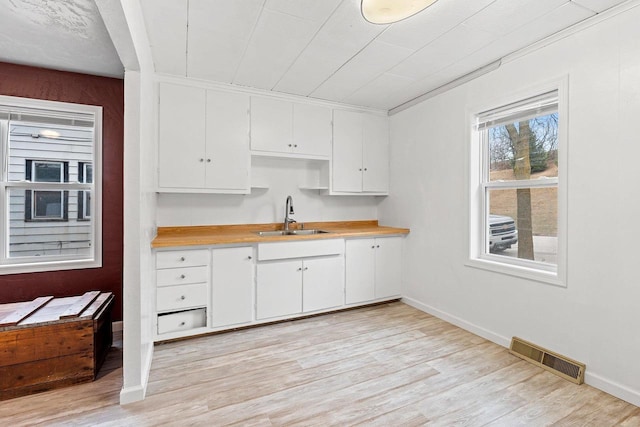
point(179, 259)
point(182, 276)
point(181, 297)
point(182, 320)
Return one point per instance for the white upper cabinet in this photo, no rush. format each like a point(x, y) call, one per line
point(181, 137)
point(312, 130)
point(360, 153)
point(280, 127)
point(203, 140)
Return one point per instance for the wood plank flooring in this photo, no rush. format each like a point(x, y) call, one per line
point(388, 365)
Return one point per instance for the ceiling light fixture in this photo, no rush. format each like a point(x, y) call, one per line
point(390, 11)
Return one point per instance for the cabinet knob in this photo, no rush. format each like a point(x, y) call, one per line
point(365, 169)
point(201, 160)
point(182, 258)
point(305, 269)
point(182, 323)
point(182, 276)
point(377, 246)
point(373, 247)
point(360, 169)
point(249, 257)
point(289, 145)
point(300, 269)
point(295, 145)
point(208, 160)
point(183, 297)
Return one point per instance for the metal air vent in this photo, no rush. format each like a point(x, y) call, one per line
point(560, 365)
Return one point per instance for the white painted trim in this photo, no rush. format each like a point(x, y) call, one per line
point(139, 391)
point(613, 388)
point(593, 379)
point(457, 321)
point(205, 84)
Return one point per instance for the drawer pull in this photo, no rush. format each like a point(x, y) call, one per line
point(249, 257)
point(182, 276)
point(182, 258)
point(300, 269)
point(373, 247)
point(182, 323)
point(183, 297)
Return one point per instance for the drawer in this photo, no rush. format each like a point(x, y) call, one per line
point(307, 248)
point(179, 297)
point(182, 320)
point(182, 276)
point(173, 259)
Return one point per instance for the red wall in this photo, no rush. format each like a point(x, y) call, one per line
point(30, 82)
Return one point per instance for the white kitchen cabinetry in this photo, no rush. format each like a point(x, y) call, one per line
point(232, 281)
point(280, 127)
point(296, 277)
point(182, 287)
point(360, 162)
point(373, 269)
point(296, 286)
point(203, 140)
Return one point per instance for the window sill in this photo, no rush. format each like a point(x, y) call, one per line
point(548, 277)
point(44, 266)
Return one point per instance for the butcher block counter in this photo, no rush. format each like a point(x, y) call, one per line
point(248, 233)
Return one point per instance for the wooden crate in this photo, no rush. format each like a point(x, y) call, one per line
point(51, 342)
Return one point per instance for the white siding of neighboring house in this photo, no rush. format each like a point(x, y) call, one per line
point(39, 238)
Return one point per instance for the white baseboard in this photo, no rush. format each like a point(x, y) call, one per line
point(139, 391)
point(116, 326)
point(454, 320)
point(593, 379)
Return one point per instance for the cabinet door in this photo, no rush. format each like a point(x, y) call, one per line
point(375, 153)
point(232, 286)
point(322, 283)
point(311, 130)
point(271, 125)
point(279, 289)
point(359, 270)
point(181, 137)
point(347, 151)
point(228, 158)
point(388, 269)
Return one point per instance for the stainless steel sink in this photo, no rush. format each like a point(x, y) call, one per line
point(289, 233)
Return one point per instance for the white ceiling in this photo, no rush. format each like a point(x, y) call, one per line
point(324, 48)
point(321, 49)
point(60, 34)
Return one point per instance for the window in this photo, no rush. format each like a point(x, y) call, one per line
point(50, 156)
point(517, 208)
point(46, 205)
point(85, 175)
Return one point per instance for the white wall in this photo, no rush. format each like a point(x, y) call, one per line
point(595, 319)
point(283, 177)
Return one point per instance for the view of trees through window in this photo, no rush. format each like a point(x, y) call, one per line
point(524, 153)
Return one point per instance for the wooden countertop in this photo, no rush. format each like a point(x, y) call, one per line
point(247, 233)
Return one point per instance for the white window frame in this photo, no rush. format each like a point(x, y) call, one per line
point(34, 217)
point(59, 110)
point(477, 161)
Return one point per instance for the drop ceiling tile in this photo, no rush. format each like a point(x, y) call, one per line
point(372, 61)
point(343, 35)
point(166, 22)
point(444, 51)
point(277, 41)
point(504, 16)
point(219, 32)
point(598, 5)
point(313, 10)
point(426, 26)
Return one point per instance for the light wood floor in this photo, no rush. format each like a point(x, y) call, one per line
point(388, 365)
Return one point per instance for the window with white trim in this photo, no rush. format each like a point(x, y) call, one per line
point(50, 154)
point(516, 211)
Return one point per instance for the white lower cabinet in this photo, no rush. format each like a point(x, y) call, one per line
point(232, 279)
point(297, 286)
point(373, 269)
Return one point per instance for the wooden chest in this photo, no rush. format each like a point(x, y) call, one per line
point(53, 342)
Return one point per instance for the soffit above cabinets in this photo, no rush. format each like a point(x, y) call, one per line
point(65, 35)
point(326, 50)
